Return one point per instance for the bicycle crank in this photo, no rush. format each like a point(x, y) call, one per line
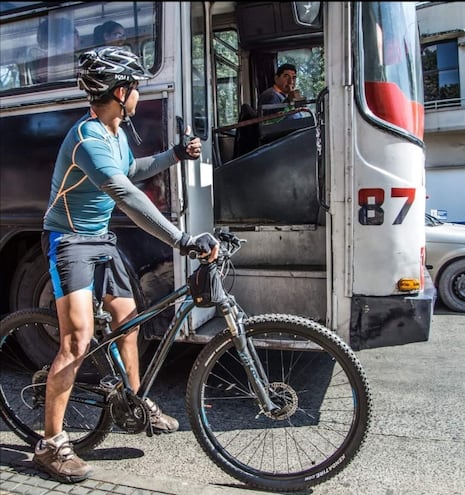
point(131, 414)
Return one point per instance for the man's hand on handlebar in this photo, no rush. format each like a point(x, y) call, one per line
point(203, 244)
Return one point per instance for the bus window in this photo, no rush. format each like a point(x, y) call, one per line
point(54, 57)
point(225, 45)
point(390, 67)
point(45, 48)
point(199, 73)
point(310, 67)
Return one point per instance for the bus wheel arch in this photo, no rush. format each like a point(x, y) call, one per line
point(31, 285)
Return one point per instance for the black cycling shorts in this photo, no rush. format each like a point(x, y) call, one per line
point(90, 262)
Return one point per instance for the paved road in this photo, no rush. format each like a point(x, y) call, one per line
point(416, 444)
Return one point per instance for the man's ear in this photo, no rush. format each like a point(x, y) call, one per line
point(119, 92)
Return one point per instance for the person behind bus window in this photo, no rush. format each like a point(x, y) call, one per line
point(58, 41)
point(283, 90)
point(95, 171)
point(109, 33)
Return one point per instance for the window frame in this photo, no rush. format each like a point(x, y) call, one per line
point(437, 100)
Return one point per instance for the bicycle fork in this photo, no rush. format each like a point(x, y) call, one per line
point(248, 355)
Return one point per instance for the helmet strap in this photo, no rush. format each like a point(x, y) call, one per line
point(134, 133)
point(126, 119)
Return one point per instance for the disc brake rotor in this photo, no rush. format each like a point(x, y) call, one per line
point(285, 397)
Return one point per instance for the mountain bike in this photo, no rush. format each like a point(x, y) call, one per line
point(275, 400)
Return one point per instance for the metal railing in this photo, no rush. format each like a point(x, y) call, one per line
point(441, 104)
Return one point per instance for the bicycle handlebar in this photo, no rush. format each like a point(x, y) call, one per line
point(230, 243)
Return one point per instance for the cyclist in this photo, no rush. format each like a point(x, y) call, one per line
point(94, 171)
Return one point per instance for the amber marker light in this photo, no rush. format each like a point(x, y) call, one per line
point(408, 284)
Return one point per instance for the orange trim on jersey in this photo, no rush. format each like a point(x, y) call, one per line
point(61, 191)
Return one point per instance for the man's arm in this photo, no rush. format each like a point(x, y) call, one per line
point(146, 215)
point(144, 168)
point(138, 207)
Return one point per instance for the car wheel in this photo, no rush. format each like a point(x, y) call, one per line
point(451, 286)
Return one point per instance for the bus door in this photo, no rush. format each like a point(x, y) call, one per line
point(266, 180)
point(193, 104)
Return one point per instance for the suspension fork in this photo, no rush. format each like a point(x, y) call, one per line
point(247, 354)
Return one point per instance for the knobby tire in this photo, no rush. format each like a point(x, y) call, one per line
point(314, 377)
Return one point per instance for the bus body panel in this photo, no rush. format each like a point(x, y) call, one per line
point(389, 194)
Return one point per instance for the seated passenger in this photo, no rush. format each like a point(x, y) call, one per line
point(109, 33)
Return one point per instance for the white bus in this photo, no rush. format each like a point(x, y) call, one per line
point(332, 204)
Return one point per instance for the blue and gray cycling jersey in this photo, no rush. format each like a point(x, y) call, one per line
point(95, 171)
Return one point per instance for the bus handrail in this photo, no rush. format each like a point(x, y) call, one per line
point(264, 118)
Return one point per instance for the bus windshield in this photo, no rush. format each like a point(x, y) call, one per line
point(390, 65)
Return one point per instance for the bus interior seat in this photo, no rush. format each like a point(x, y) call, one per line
point(9, 76)
point(246, 137)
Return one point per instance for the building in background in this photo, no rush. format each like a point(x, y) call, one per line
point(442, 31)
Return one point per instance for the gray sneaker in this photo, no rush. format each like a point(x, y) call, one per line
point(55, 456)
point(161, 423)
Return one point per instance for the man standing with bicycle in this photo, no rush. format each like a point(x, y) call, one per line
point(94, 171)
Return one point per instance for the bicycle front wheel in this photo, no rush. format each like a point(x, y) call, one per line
point(23, 376)
point(312, 376)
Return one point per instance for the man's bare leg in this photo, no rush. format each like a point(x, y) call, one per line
point(76, 321)
point(121, 310)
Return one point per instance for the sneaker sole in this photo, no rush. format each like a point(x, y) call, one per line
point(61, 477)
point(161, 432)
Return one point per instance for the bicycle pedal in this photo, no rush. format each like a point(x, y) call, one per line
point(110, 382)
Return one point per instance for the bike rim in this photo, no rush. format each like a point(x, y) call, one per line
point(319, 418)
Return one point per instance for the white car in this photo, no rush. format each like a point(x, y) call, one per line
point(445, 260)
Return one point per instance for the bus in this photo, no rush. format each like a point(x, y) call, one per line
point(331, 202)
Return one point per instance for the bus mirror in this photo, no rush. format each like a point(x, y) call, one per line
point(307, 13)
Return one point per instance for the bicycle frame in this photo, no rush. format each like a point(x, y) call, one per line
point(229, 310)
point(166, 342)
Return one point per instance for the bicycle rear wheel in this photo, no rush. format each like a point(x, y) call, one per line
point(316, 380)
point(23, 376)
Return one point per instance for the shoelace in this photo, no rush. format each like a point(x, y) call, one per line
point(64, 452)
point(155, 411)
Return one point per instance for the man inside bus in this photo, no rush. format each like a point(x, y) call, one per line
point(95, 171)
point(283, 90)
